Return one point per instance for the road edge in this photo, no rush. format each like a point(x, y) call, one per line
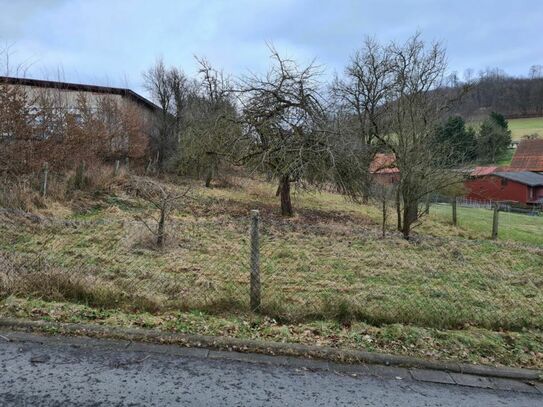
point(347, 356)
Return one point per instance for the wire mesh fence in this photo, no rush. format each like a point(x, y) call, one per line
point(116, 264)
point(209, 265)
point(479, 221)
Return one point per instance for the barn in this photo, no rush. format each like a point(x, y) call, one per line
point(522, 187)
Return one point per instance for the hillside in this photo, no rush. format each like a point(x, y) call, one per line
point(327, 275)
point(510, 96)
point(519, 127)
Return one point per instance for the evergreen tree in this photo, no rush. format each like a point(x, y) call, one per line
point(494, 138)
point(460, 141)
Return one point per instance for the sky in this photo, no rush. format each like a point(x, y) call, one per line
point(112, 42)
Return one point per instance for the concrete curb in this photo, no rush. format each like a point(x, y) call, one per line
point(268, 348)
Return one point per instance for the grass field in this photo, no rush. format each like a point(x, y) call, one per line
point(478, 224)
point(525, 127)
point(327, 276)
point(519, 127)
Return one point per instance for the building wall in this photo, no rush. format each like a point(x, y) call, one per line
point(68, 99)
point(538, 193)
point(122, 128)
point(493, 188)
point(386, 178)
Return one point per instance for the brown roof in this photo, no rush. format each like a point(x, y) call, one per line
point(80, 88)
point(482, 171)
point(528, 156)
point(383, 164)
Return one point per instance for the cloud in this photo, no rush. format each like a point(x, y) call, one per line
point(107, 40)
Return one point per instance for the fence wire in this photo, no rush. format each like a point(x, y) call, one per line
point(327, 273)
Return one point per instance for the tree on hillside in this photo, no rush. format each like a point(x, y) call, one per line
point(494, 138)
point(210, 125)
point(282, 121)
point(16, 134)
point(163, 200)
point(494, 90)
point(461, 140)
point(362, 95)
point(414, 112)
point(170, 89)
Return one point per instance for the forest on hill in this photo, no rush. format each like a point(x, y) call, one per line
point(493, 90)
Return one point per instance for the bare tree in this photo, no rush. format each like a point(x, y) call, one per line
point(536, 72)
point(170, 89)
point(210, 124)
point(162, 199)
point(282, 122)
point(414, 111)
point(363, 94)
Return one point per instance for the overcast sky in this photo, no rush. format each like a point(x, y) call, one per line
point(111, 42)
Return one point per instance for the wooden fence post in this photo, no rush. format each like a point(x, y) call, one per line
point(45, 176)
point(127, 164)
point(495, 219)
point(255, 261)
point(116, 171)
point(454, 215)
point(80, 181)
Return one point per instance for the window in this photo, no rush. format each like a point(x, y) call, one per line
point(504, 182)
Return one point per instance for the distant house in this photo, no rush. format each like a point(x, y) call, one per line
point(521, 187)
point(528, 156)
point(383, 169)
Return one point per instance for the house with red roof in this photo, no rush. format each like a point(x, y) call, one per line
point(517, 187)
point(383, 169)
point(520, 183)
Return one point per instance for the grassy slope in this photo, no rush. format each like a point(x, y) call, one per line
point(327, 276)
point(520, 127)
point(524, 127)
point(477, 223)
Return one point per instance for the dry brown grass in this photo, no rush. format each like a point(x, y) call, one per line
point(326, 265)
point(37, 279)
point(19, 194)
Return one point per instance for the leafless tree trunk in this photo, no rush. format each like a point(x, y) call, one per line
point(384, 218)
point(399, 210)
point(286, 204)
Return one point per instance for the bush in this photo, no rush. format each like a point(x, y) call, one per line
point(18, 194)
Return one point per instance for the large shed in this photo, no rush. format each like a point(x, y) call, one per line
point(523, 187)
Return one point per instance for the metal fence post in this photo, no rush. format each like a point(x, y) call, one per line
point(45, 176)
point(495, 219)
point(454, 217)
point(255, 261)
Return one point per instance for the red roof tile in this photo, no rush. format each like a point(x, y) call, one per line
point(528, 156)
point(482, 171)
point(383, 164)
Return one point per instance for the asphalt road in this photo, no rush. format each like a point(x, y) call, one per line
point(69, 372)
